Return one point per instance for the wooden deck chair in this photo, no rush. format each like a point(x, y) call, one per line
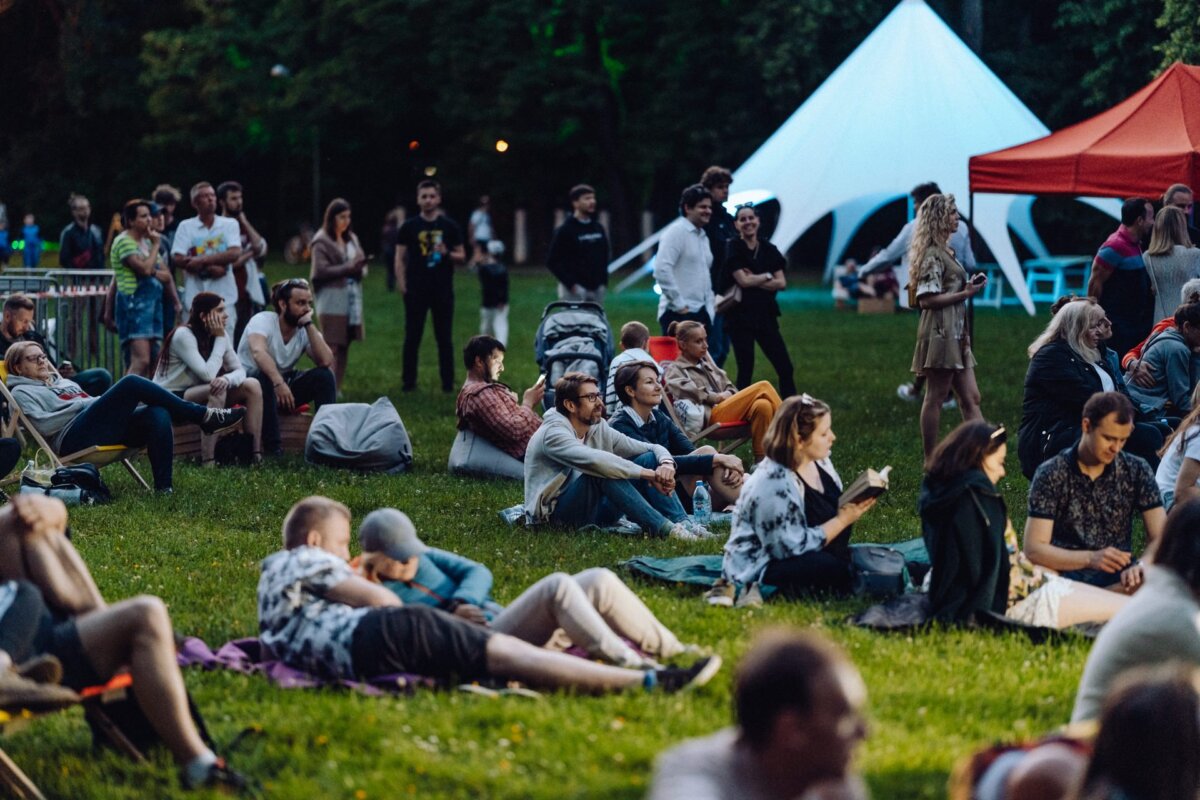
point(732, 434)
point(100, 455)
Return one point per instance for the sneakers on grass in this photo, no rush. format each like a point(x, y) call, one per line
point(751, 597)
point(218, 419)
point(220, 777)
point(721, 594)
point(674, 679)
point(905, 392)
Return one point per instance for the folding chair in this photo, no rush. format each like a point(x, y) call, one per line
point(101, 455)
point(664, 350)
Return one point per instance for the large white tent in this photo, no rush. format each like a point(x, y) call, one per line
point(911, 104)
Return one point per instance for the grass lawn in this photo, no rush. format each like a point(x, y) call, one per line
point(935, 695)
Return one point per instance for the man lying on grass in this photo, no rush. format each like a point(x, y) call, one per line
point(49, 604)
point(593, 609)
point(579, 471)
point(315, 614)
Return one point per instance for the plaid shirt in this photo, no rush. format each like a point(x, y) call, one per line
point(491, 410)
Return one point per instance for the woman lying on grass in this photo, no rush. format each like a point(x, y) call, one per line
point(787, 528)
point(977, 565)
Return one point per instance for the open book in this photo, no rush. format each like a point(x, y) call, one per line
point(867, 485)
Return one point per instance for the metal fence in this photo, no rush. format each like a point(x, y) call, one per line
point(68, 308)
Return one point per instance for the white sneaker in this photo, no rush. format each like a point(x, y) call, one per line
point(684, 532)
point(701, 531)
point(950, 404)
point(905, 392)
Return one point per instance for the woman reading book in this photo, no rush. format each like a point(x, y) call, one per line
point(703, 392)
point(788, 530)
point(939, 286)
point(977, 566)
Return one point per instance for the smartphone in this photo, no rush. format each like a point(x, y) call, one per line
point(541, 380)
point(979, 277)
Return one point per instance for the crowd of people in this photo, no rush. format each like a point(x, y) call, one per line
point(1103, 439)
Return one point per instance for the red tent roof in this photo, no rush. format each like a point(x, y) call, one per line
point(1139, 147)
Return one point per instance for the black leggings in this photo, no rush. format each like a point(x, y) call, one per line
point(818, 571)
point(744, 334)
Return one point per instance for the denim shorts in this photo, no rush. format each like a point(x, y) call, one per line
point(140, 315)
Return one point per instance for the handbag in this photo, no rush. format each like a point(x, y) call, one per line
point(878, 571)
point(729, 299)
point(75, 485)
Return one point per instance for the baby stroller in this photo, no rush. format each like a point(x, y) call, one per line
point(574, 336)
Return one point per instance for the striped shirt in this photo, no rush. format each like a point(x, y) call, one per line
point(123, 247)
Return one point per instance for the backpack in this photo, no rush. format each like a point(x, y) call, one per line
point(358, 436)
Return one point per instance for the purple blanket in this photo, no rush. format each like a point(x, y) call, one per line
point(246, 656)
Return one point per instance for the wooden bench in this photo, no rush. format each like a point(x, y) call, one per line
point(293, 431)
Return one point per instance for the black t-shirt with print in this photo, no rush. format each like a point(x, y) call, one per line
point(423, 267)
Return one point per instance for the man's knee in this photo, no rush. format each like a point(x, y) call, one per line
point(145, 614)
point(252, 387)
point(597, 580)
point(648, 459)
point(557, 584)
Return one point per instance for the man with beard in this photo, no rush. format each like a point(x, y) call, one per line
point(488, 414)
point(683, 263)
point(250, 301)
point(270, 347)
point(581, 472)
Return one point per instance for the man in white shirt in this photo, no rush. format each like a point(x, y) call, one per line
point(251, 298)
point(270, 347)
point(799, 705)
point(682, 265)
point(206, 247)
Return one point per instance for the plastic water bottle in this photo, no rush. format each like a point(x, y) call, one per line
point(701, 504)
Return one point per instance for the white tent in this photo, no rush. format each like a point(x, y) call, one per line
point(911, 104)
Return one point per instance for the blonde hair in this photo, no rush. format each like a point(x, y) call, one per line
point(935, 223)
point(15, 356)
point(309, 513)
point(1070, 324)
point(1170, 229)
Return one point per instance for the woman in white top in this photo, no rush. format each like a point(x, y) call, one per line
point(200, 364)
point(1178, 474)
point(1171, 260)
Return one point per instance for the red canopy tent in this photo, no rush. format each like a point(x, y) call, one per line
point(1139, 147)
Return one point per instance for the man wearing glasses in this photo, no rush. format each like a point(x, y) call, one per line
point(270, 347)
point(579, 471)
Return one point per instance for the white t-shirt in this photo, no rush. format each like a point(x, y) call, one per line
point(1172, 460)
point(1106, 381)
point(193, 239)
point(482, 221)
point(284, 354)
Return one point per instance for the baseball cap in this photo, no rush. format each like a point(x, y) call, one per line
point(155, 209)
point(390, 532)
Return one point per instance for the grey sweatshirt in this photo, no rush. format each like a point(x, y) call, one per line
point(555, 453)
point(50, 407)
point(1170, 358)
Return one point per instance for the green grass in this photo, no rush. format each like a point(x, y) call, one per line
point(935, 695)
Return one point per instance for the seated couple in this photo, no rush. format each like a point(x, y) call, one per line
point(316, 614)
point(788, 530)
point(50, 606)
point(134, 412)
point(580, 471)
point(593, 609)
point(703, 393)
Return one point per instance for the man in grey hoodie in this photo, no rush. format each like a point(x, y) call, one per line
point(579, 471)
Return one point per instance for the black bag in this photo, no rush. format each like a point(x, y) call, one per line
point(78, 484)
point(118, 722)
point(235, 448)
point(878, 571)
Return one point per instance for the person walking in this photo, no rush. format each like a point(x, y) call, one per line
point(940, 288)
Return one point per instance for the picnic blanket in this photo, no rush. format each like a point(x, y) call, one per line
point(247, 657)
point(704, 570)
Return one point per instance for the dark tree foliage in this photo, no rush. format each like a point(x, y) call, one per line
point(637, 97)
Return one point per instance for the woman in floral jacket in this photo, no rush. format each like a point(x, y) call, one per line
point(787, 530)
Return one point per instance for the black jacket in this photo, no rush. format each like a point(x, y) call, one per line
point(963, 525)
point(662, 431)
point(1057, 385)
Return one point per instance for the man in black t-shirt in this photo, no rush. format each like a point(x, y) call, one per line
point(579, 250)
point(428, 246)
point(720, 232)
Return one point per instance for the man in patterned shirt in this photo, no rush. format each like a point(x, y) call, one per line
point(1082, 501)
point(495, 428)
point(316, 614)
